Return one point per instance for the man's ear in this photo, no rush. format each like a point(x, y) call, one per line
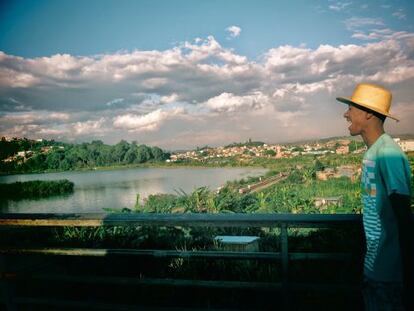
point(368, 115)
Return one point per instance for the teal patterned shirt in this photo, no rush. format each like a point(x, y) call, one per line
point(385, 171)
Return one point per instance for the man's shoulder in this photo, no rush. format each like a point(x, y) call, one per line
point(391, 157)
point(388, 147)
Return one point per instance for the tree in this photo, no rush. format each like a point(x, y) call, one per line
point(297, 149)
point(94, 150)
point(54, 159)
point(130, 155)
point(81, 155)
point(270, 152)
point(119, 150)
point(36, 163)
point(158, 154)
point(318, 166)
point(143, 154)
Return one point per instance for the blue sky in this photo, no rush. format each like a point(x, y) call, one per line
point(146, 70)
point(43, 28)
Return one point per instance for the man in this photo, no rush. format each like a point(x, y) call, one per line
point(386, 192)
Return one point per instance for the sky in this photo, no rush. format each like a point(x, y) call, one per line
point(181, 74)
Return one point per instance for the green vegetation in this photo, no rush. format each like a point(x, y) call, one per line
point(63, 157)
point(355, 145)
point(248, 143)
point(271, 153)
point(35, 189)
point(293, 195)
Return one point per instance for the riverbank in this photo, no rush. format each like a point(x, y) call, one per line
point(171, 165)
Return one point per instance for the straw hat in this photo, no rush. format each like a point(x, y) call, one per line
point(371, 96)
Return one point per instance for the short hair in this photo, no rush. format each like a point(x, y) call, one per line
point(380, 116)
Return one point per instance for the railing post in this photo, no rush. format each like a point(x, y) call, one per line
point(285, 265)
point(5, 286)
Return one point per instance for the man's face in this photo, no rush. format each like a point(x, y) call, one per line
point(356, 118)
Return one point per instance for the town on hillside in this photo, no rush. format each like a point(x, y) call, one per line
point(251, 150)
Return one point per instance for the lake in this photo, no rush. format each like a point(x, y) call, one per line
point(96, 190)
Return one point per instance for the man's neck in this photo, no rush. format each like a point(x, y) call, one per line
point(370, 137)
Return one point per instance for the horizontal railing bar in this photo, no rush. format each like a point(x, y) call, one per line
point(190, 219)
point(92, 252)
point(321, 256)
point(325, 286)
point(93, 279)
point(99, 305)
point(127, 281)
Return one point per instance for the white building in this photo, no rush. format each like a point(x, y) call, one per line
point(406, 145)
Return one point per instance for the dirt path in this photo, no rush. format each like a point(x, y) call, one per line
point(264, 183)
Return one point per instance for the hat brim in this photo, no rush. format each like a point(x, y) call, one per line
point(348, 101)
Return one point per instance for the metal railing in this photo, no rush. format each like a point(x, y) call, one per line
point(282, 221)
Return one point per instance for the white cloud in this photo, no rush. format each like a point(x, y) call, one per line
point(88, 127)
point(290, 64)
point(383, 34)
point(115, 101)
point(154, 83)
point(13, 79)
point(34, 117)
point(234, 31)
point(360, 22)
point(372, 35)
point(395, 75)
point(59, 116)
point(339, 6)
point(146, 122)
point(46, 132)
point(400, 14)
point(169, 98)
point(228, 102)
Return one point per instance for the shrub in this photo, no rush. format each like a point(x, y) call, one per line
point(35, 189)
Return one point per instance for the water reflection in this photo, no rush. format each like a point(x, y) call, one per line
point(115, 189)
